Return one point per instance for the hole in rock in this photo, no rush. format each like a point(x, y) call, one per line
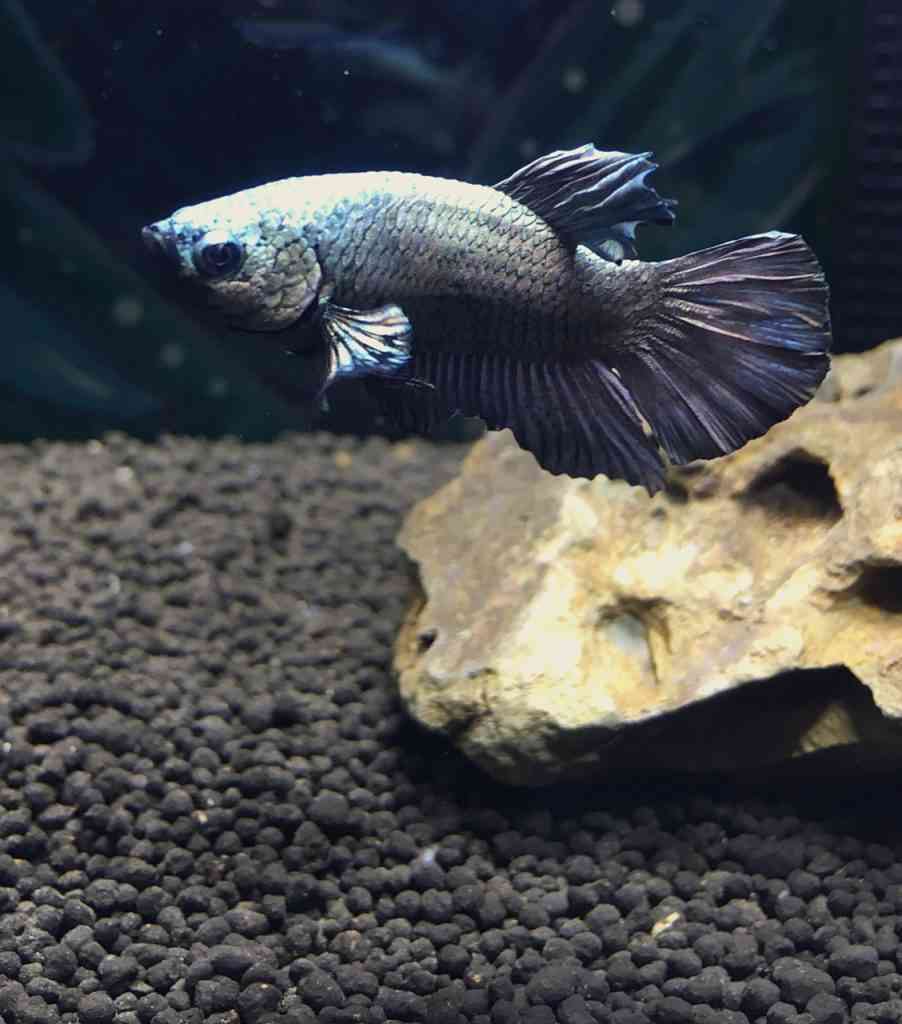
point(881, 586)
point(426, 639)
point(676, 490)
point(798, 485)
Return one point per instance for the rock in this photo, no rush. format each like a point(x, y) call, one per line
point(800, 981)
point(568, 627)
point(859, 962)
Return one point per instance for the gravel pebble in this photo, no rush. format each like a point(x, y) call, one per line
point(96, 1008)
point(854, 961)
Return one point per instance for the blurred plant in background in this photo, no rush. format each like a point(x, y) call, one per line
point(120, 112)
point(734, 100)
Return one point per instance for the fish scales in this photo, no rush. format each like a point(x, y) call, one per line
point(524, 304)
point(428, 239)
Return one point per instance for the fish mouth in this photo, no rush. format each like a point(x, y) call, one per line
point(160, 240)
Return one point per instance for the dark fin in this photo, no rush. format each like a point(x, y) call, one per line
point(412, 404)
point(738, 339)
point(405, 383)
point(366, 341)
point(575, 418)
point(591, 197)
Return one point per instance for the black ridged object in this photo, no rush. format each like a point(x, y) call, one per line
point(867, 277)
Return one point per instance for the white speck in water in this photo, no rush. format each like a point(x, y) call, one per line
point(346, 72)
point(128, 310)
point(628, 13)
point(172, 355)
point(575, 79)
point(218, 387)
point(159, 31)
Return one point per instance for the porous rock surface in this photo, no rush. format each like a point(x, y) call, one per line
point(570, 626)
point(212, 808)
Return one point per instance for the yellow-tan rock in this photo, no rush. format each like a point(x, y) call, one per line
point(749, 614)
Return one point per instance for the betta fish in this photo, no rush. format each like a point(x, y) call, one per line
point(523, 304)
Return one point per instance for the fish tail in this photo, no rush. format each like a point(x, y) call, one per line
point(738, 338)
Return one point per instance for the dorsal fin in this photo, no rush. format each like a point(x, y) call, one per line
point(592, 198)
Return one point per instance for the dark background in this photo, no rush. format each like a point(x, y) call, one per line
point(777, 114)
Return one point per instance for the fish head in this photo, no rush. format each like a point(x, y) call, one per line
point(254, 266)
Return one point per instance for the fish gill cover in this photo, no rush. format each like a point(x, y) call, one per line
point(132, 109)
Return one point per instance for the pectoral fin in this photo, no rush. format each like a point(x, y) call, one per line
point(365, 342)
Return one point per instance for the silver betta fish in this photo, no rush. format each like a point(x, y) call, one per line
point(523, 304)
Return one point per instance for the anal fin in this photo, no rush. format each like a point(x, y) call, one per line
point(412, 404)
point(591, 197)
point(577, 418)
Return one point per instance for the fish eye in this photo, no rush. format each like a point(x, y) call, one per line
point(217, 253)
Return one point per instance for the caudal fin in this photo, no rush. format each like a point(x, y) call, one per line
point(738, 340)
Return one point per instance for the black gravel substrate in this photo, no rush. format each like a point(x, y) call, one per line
point(213, 809)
